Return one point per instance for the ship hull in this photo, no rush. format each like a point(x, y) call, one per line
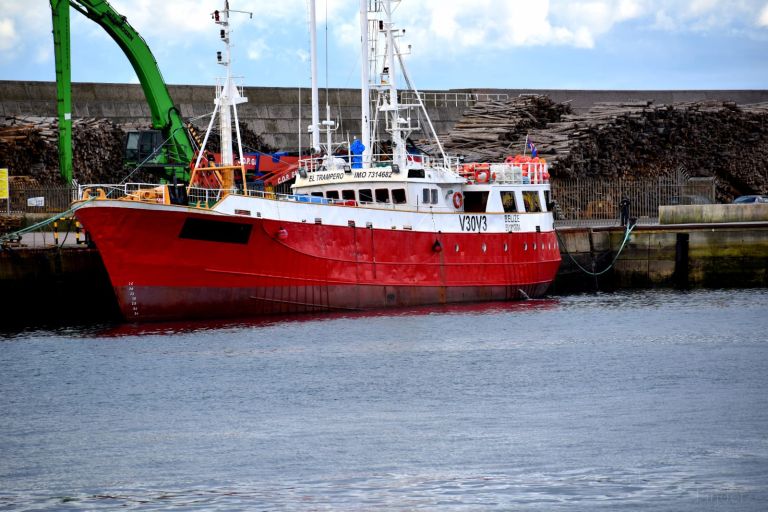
point(180, 263)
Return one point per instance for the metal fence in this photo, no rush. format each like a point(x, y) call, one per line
point(41, 199)
point(595, 201)
point(450, 99)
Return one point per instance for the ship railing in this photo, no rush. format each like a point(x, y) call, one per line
point(506, 173)
point(355, 163)
point(121, 190)
point(207, 197)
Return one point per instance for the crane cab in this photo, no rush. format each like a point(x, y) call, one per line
point(140, 145)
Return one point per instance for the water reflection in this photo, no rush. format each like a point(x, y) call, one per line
point(192, 326)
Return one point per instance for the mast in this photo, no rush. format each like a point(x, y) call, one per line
point(365, 101)
point(315, 127)
point(228, 96)
point(398, 146)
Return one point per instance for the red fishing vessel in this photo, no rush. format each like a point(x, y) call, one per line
point(361, 232)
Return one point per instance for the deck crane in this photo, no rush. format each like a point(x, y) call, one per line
point(167, 123)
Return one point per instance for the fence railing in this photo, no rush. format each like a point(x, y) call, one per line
point(596, 200)
point(41, 199)
point(450, 99)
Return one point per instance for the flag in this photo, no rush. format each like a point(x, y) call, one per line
point(532, 147)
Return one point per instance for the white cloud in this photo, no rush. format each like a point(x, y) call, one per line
point(763, 20)
point(175, 20)
point(257, 49)
point(44, 53)
point(8, 36)
point(445, 27)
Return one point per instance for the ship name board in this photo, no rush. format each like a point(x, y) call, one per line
point(473, 223)
point(512, 222)
point(372, 174)
point(317, 177)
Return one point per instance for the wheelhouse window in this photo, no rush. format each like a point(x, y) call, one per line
point(531, 200)
point(508, 201)
point(429, 196)
point(332, 194)
point(317, 194)
point(348, 195)
point(382, 195)
point(398, 196)
point(366, 196)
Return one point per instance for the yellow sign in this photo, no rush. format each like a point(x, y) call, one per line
point(3, 183)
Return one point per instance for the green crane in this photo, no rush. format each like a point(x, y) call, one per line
point(167, 123)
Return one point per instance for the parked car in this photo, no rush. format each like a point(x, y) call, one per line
point(750, 199)
point(690, 199)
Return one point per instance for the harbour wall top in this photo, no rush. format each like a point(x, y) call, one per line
point(279, 114)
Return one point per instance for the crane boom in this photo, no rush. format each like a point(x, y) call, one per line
point(178, 150)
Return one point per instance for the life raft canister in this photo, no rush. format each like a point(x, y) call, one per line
point(482, 173)
point(458, 200)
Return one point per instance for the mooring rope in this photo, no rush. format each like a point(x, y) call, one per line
point(627, 235)
point(46, 222)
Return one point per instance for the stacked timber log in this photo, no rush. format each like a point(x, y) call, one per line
point(10, 223)
point(490, 129)
point(29, 147)
point(634, 139)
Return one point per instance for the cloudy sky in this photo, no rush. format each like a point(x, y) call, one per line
point(557, 44)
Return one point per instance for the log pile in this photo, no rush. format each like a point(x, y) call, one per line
point(637, 139)
point(10, 223)
point(713, 139)
point(492, 128)
point(29, 147)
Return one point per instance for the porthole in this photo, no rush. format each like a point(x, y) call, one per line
point(534, 246)
point(484, 247)
point(505, 247)
point(457, 247)
point(525, 246)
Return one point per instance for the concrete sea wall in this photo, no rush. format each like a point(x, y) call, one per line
point(274, 112)
point(682, 256)
point(698, 213)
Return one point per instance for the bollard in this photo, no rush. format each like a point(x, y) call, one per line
point(78, 233)
point(56, 232)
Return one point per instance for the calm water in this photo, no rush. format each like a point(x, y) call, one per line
point(643, 401)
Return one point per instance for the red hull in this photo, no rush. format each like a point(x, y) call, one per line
point(296, 267)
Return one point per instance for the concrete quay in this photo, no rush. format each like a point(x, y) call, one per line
point(721, 255)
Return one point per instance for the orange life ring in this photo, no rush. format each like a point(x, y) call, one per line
point(458, 200)
point(482, 176)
